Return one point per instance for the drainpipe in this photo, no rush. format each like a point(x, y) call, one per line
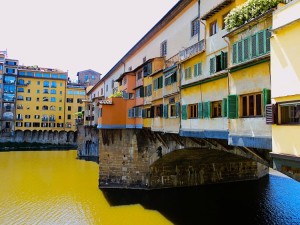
point(228, 83)
point(199, 19)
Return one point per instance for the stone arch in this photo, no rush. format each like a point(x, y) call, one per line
point(34, 136)
point(40, 136)
point(50, 136)
point(19, 136)
point(62, 137)
point(27, 136)
point(70, 136)
point(55, 137)
point(45, 136)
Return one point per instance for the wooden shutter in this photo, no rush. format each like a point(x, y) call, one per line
point(152, 112)
point(271, 114)
point(149, 68)
point(232, 106)
point(254, 46)
point(212, 65)
point(200, 110)
point(199, 68)
point(223, 60)
point(177, 106)
point(206, 109)
point(196, 70)
point(144, 113)
point(161, 110)
point(165, 111)
point(184, 112)
point(268, 36)
point(224, 107)
point(261, 42)
point(142, 92)
point(240, 51)
point(234, 53)
point(266, 97)
point(246, 49)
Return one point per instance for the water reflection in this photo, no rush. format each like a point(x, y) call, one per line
point(52, 187)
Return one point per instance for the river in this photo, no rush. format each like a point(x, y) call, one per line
point(53, 187)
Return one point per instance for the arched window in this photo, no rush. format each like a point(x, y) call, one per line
point(21, 82)
point(45, 107)
point(45, 99)
point(52, 107)
point(46, 83)
point(20, 89)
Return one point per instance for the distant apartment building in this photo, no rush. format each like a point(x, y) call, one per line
point(88, 77)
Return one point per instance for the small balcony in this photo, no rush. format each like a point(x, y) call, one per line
point(192, 50)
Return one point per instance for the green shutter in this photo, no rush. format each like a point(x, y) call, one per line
point(212, 65)
point(268, 36)
point(206, 109)
point(224, 107)
point(177, 108)
point(199, 68)
point(142, 92)
point(246, 49)
point(196, 70)
point(155, 84)
point(223, 60)
point(184, 112)
point(150, 68)
point(200, 110)
point(234, 53)
point(144, 113)
point(261, 42)
point(166, 111)
point(266, 97)
point(240, 51)
point(232, 106)
point(254, 45)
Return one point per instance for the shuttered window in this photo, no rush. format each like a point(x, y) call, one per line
point(212, 65)
point(193, 111)
point(271, 114)
point(232, 107)
point(177, 109)
point(188, 73)
point(251, 47)
point(206, 110)
point(266, 97)
point(184, 112)
point(224, 107)
point(197, 69)
point(200, 110)
point(166, 111)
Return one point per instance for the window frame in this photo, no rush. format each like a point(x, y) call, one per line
point(247, 96)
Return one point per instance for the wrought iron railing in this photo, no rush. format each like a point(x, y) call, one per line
point(192, 50)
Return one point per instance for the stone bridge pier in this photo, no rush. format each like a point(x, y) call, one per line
point(141, 158)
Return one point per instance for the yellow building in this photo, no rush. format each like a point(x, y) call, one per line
point(283, 113)
point(40, 102)
point(75, 94)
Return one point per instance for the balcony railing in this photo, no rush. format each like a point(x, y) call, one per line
point(173, 60)
point(192, 50)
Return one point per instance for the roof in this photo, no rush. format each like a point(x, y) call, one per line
point(88, 70)
point(216, 9)
point(171, 14)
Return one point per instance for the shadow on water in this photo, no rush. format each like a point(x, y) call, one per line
point(270, 200)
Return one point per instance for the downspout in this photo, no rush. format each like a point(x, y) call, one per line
point(199, 19)
point(228, 83)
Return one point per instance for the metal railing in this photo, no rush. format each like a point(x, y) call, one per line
point(192, 50)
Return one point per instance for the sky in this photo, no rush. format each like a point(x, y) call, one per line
point(75, 35)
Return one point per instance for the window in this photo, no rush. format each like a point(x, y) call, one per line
point(53, 84)
point(170, 79)
point(53, 91)
point(37, 91)
point(213, 28)
point(54, 75)
point(188, 73)
point(21, 82)
point(289, 113)
point(20, 89)
point(20, 97)
point(28, 99)
point(38, 75)
point(69, 116)
point(28, 91)
point(193, 111)
point(158, 110)
point(216, 109)
point(27, 116)
point(198, 69)
point(124, 82)
point(36, 116)
point(45, 99)
point(27, 124)
point(107, 87)
point(158, 83)
point(129, 68)
point(139, 75)
point(60, 92)
point(69, 108)
point(36, 124)
point(38, 83)
point(46, 83)
point(93, 77)
point(250, 47)
point(52, 99)
point(37, 99)
point(52, 107)
point(140, 92)
point(59, 108)
point(195, 27)
point(172, 110)
point(19, 124)
point(45, 91)
point(59, 117)
point(251, 105)
point(79, 100)
point(163, 48)
point(37, 108)
point(70, 100)
point(46, 75)
point(148, 90)
point(218, 63)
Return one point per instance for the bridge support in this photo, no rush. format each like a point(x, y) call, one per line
point(140, 158)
